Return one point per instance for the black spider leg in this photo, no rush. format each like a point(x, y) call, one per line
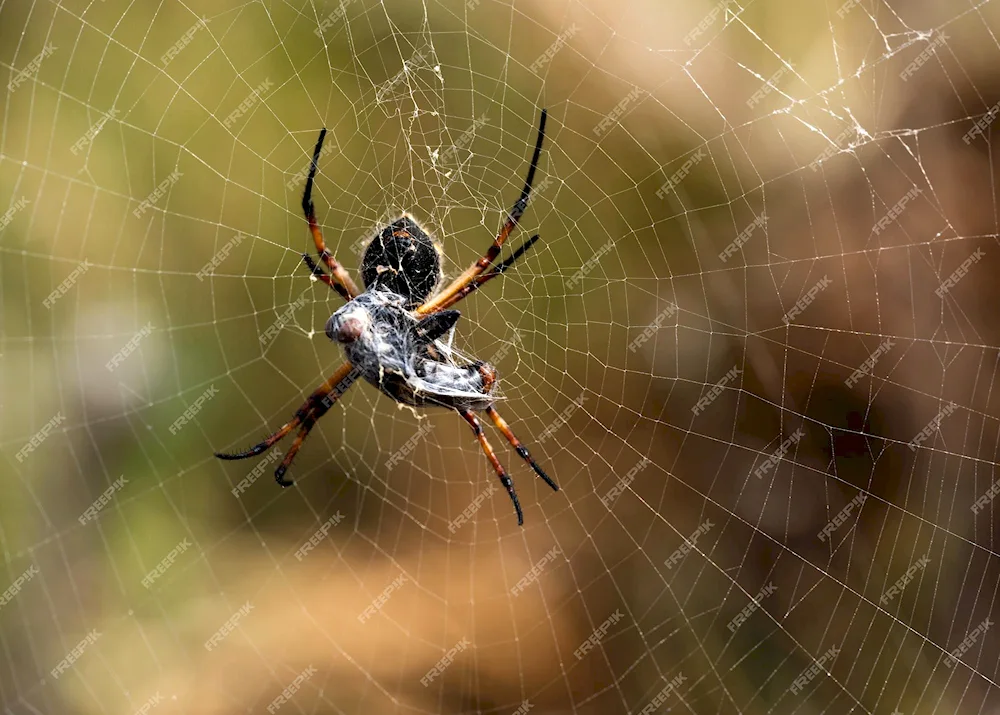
point(435, 326)
point(497, 270)
point(315, 406)
point(477, 428)
point(446, 296)
point(521, 450)
point(340, 279)
point(318, 272)
point(522, 203)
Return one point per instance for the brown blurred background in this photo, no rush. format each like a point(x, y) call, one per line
point(829, 149)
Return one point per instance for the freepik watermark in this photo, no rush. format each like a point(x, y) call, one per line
point(965, 645)
point(380, 600)
point(661, 697)
point(293, 688)
point(952, 280)
point(92, 133)
point(31, 69)
point(591, 264)
point(459, 521)
point(193, 409)
point(317, 538)
point(536, 571)
point(426, 427)
point(932, 426)
point(619, 111)
point(554, 48)
point(717, 389)
point(358, 247)
point(750, 608)
point(987, 498)
point(464, 139)
point(678, 176)
point(651, 329)
point(332, 19)
point(151, 703)
point(66, 285)
point(982, 124)
point(102, 501)
point(175, 49)
point(598, 635)
point(832, 150)
point(9, 214)
point(741, 240)
point(504, 350)
point(15, 588)
point(119, 357)
point(298, 178)
point(544, 184)
point(158, 193)
point(446, 660)
point(285, 318)
point(339, 388)
point(923, 57)
point(165, 563)
point(842, 516)
point(805, 301)
point(229, 626)
point(709, 20)
point(779, 454)
point(618, 489)
point(40, 436)
point(866, 367)
point(770, 84)
point(74, 655)
point(220, 256)
point(689, 543)
point(248, 103)
point(810, 673)
point(256, 473)
point(562, 418)
point(904, 580)
point(896, 211)
point(846, 8)
point(984, 501)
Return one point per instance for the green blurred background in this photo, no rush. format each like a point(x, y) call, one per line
point(398, 84)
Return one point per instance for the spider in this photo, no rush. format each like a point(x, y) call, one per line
point(391, 332)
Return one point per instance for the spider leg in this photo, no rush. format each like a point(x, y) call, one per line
point(341, 280)
point(497, 270)
point(315, 406)
point(435, 326)
point(300, 438)
point(317, 271)
point(522, 451)
point(445, 297)
point(268, 442)
point(477, 428)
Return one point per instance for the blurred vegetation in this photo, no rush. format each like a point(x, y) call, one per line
point(396, 84)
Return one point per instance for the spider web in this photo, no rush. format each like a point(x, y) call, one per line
point(753, 348)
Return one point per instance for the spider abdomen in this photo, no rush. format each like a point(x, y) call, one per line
point(404, 260)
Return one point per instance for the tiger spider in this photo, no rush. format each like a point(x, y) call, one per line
point(391, 331)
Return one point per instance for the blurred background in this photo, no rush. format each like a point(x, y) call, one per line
point(742, 204)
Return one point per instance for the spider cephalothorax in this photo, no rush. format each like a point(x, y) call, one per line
point(392, 332)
